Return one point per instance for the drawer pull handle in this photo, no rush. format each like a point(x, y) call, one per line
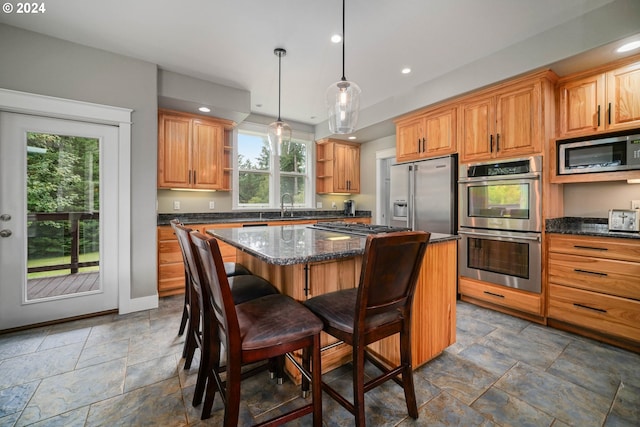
point(595, 273)
point(494, 295)
point(599, 310)
point(590, 248)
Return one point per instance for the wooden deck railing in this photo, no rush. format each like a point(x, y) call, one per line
point(74, 219)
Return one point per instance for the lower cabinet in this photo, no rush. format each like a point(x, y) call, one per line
point(594, 287)
point(502, 298)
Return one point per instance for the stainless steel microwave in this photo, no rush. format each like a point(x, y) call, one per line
point(609, 154)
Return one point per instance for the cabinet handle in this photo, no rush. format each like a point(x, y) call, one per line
point(424, 145)
point(591, 248)
point(599, 310)
point(497, 142)
point(494, 295)
point(194, 177)
point(189, 177)
point(491, 143)
point(595, 273)
point(609, 113)
point(598, 115)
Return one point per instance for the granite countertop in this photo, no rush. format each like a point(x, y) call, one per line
point(299, 244)
point(587, 227)
point(269, 216)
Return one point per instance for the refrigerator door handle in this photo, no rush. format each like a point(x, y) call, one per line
point(411, 220)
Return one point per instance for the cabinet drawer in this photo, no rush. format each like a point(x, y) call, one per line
point(607, 247)
point(171, 271)
point(166, 233)
point(512, 298)
point(611, 277)
point(604, 313)
point(168, 252)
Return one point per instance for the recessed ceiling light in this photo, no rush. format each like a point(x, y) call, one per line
point(312, 117)
point(406, 70)
point(629, 46)
point(204, 109)
point(336, 38)
point(352, 137)
point(259, 105)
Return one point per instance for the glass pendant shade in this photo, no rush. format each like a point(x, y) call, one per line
point(279, 134)
point(343, 104)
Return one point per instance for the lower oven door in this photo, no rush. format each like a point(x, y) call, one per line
point(506, 258)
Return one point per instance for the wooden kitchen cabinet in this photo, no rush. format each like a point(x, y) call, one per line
point(594, 287)
point(193, 152)
point(426, 134)
point(510, 120)
point(337, 167)
point(605, 99)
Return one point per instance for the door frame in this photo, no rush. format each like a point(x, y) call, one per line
point(41, 105)
point(381, 156)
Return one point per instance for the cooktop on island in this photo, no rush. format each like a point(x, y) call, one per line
point(356, 227)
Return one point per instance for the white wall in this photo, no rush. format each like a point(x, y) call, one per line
point(38, 64)
point(594, 199)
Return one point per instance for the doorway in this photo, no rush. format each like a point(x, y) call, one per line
point(58, 216)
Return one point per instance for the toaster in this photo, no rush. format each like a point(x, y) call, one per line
point(624, 220)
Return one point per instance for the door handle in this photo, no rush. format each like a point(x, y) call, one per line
point(5, 233)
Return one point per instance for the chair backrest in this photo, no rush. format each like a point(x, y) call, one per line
point(190, 266)
point(219, 309)
point(390, 269)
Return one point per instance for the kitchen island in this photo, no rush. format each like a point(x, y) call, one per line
point(303, 262)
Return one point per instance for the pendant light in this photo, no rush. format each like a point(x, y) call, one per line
point(279, 133)
point(343, 99)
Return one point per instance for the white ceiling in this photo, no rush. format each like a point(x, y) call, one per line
point(231, 42)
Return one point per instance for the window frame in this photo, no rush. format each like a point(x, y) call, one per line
point(274, 172)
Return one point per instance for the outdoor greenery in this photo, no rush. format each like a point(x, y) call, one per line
point(254, 175)
point(62, 176)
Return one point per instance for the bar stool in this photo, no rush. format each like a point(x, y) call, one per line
point(378, 308)
point(231, 268)
point(266, 327)
point(244, 288)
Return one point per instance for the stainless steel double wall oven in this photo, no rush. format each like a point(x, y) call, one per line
point(501, 222)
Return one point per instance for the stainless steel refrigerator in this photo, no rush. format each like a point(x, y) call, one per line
point(423, 195)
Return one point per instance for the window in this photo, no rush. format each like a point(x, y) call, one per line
point(260, 179)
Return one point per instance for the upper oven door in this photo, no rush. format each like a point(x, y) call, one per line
point(502, 204)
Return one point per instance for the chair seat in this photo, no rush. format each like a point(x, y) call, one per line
point(274, 319)
point(336, 309)
point(248, 287)
point(235, 269)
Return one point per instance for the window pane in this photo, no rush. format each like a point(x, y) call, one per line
point(294, 158)
point(293, 185)
point(253, 188)
point(253, 152)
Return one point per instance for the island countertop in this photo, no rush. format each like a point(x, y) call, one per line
point(299, 244)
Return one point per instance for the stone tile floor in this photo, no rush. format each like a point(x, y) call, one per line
point(127, 370)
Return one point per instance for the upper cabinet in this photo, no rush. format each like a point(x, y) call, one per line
point(510, 120)
point(193, 151)
point(337, 167)
point(426, 134)
point(603, 100)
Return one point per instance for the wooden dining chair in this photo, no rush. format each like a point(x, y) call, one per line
point(231, 269)
point(244, 288)
point(266, 327)
point(378, 308)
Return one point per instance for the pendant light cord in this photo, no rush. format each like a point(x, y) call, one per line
point(343, 9)
point(279, 82)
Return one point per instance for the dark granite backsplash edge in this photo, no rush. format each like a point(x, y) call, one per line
point(252, 216)
point(585, 226)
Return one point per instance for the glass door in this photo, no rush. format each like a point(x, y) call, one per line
point(55, 203)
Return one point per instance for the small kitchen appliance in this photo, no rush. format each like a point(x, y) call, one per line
point(624, 220)
point(349, 207)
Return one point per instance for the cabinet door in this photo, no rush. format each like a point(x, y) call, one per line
point(173, 152)
point(346, 177)
point(623, 97)
point(518, 121)
point(207, 152)
point(440, 133)
point(582, 106)
point(477, 130)
point(409, 140)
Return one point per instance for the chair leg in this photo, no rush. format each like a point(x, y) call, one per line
point(185, 317)
point(190, 343)
point(316, 384)
point(407, 375)
point(358, 385)
point(306, 365)
point(232, 403)
point(209, 363)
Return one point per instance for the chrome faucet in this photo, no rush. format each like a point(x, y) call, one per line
point(283, 209)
